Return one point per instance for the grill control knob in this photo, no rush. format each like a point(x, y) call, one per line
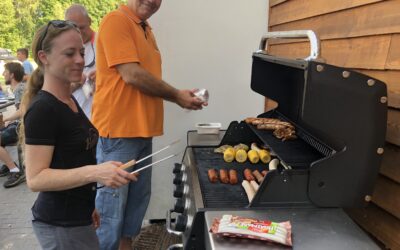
point(177, 168)
point(179, 206)
point(181, 222)
point(179, 178)
point(180, 190)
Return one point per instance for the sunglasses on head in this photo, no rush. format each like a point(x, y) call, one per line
point(57, 24)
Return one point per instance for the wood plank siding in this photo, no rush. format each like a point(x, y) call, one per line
point(363, 35)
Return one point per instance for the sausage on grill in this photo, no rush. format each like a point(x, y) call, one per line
point(223, 176)
point(212, 175)
point(233, 176)
point(258, 176)
point(248, 175)
point(264, 172)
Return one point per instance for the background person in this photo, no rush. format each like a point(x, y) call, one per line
point(128, 112)
point(22, 55)
point(13, 75)
point(83, 90)
point(60, 144)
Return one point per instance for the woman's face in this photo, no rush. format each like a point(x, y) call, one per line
point(65, 60)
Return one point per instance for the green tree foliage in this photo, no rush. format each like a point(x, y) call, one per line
point(21, 18)
point(8, 34)
point(25, 21)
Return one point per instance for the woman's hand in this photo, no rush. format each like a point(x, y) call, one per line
point(110, 175)
point(96, 219)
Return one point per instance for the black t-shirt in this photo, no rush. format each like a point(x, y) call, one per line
point(49, 121)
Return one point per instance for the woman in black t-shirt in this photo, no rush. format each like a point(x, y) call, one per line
point(60, 144)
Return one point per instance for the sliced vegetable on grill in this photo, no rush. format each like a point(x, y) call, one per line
point(273, 165)
point(264, 155)
point(253, 156)
point(241, 155)
point(229, 154)
point(250, 192)
point(222, 149)
point(254, 185)
point(241, 146)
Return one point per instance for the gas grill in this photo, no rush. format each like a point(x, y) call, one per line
point(340, 121)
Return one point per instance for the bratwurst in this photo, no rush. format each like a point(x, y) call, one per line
point(212, 175)
point(233, 176)
point(223, 176)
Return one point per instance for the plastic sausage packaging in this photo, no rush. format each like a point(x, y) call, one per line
point(235, 226)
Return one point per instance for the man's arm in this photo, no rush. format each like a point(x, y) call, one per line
point(28, 69)
point(26, 78)
point(134, 74)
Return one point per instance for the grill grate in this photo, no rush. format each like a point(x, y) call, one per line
point(219, 195)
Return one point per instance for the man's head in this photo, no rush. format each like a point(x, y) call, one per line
point(13, 71)
point(22, 54)
point(79, 15)
point(144, 9)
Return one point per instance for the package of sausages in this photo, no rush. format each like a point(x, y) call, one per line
point(235, 226)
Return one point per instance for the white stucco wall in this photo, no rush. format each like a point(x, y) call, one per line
point(204, 44)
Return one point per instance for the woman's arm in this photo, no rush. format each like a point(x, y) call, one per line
point(14, 116)
point(42, 178)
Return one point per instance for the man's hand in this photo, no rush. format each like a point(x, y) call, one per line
point(95, 219)
point(77, 85)
point(92, 76)
point(186, 99)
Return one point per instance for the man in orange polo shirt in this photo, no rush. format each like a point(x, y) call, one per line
point(128, 112)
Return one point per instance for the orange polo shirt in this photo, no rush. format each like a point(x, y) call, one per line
point(119, 109)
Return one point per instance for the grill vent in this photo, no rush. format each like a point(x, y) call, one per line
point(323, 149)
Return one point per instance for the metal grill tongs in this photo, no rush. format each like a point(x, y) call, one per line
point(133, 162)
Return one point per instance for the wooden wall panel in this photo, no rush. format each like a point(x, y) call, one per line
point(390, 166)
point(387, 195)
point(392, 80)
point(276, 2)
point(394, 99)
point(380, 223)
point(393, 128)
point(393, 60)
point(365, 36)
point(378, 18)
point(287, 11)
point(343, 52)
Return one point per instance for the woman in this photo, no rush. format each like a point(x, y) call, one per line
point(60, 144)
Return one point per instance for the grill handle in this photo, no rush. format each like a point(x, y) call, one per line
point(293, 34)
point(175, 246)
point(168, 224)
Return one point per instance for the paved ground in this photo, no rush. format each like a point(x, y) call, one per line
point(15, 216)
